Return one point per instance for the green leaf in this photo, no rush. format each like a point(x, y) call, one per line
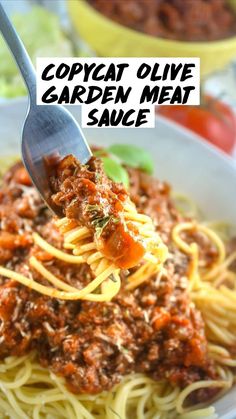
point(115, 171)
point(133, 156)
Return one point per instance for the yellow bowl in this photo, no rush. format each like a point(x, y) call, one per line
point(110, 39)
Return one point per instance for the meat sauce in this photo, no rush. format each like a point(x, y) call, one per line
point(86, 194)
point(185, 20)
point(155, 330)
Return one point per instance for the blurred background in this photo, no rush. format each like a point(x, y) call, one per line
point(155, 28)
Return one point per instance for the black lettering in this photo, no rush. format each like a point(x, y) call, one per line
point(64, 96)
point(120, 72)
point(186, 74)
point(174, 71)
point(187, 91)
point(77, 93)
point(48, 97)
point(107, 95)
point(111, 73)
point(154, 76)
point(149, 95)
point(92, 95)
point(91, 116)
point(165, 71)
point(62, 71)
point(121, 95)
point(76, 68)
point(125, 121)
point(87, 70)
point(143, 71)
point(95, 76)
point(104, 120)
point(141, 118)
point(164, 94)
point(177, 96)
point(45, 73)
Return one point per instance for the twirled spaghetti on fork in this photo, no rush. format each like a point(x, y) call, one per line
point(102, 228)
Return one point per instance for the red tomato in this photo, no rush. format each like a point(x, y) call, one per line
point(214, 120)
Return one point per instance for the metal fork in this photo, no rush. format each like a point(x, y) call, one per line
point(48, 130)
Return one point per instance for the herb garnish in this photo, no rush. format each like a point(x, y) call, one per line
point(100, 223)
point(93, 207)
point(117, 155)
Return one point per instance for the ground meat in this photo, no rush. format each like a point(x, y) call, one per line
point(156, 329)
point(185, 20)
point(85, 194)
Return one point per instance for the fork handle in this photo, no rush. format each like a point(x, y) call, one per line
point(19, 52)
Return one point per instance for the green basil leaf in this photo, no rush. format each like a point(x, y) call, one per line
point(115, 171)
point(133, 156)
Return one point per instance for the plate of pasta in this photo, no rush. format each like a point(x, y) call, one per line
point(124, 304)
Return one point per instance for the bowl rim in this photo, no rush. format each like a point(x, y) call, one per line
point(196, 138)
point(23, 101)
point(226, 43)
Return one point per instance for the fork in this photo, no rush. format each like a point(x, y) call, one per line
point(48, 130)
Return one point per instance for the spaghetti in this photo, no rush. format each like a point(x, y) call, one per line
point(81, 242)
point(215, 300)
point(147, 344)
point(31, 391)
point(106, 211)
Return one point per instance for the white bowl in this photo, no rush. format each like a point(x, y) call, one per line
point(189, 165)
